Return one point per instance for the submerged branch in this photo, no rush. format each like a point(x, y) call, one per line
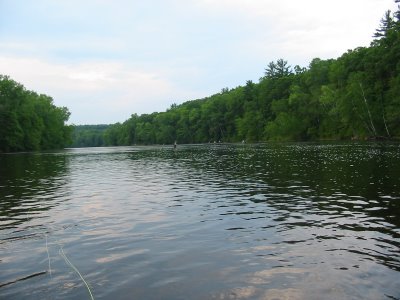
point(23, 278)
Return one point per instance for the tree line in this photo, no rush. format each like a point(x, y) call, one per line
point(30, 121)
point(88, 136)
point(355, 96)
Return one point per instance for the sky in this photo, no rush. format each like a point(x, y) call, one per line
point(106, 60)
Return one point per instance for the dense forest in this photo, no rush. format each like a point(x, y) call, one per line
point(355, 96)
point(29, 121)
point(88, 136)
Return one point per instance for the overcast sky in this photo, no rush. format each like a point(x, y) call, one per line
point(106, 60)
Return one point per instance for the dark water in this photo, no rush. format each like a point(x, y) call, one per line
point(274, 221)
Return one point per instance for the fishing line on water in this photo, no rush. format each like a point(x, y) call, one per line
point(61, 251)
point(48, 256)
point(68, 262)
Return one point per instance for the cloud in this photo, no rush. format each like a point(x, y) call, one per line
point(105, 60)
point(107, 89)
point(302, 30)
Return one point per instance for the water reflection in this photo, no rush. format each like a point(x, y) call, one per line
point(205, 222)
point(344, 198)
point(29, 185)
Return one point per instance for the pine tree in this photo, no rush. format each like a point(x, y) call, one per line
point(387, 23)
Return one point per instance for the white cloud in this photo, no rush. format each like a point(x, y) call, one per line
point(305, 29)
point(106, 60)
point(107, 89)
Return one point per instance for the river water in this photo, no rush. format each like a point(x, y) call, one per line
point(270, 221)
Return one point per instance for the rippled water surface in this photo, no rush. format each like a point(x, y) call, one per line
point(273, 221)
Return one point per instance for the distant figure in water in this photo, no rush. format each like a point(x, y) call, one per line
point(175, 145)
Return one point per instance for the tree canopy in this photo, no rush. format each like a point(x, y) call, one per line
point(88, 136)
point(29, 121)
point(355, 96)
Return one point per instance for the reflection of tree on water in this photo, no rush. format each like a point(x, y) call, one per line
point(348, 172)
point(29, 184)
point(328, 190)
point(255, 217)
point(322, 178)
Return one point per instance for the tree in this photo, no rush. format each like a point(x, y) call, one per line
point(354, 96)
point(397, 13)
point(29, 121)
point(278, 69)
point(387, 23)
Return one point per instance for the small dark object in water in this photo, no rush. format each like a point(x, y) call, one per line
point(23, 278)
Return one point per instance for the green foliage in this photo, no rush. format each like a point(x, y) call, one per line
point(88, 136)
point(387, 23)
point(29, 121)
point(354, 96)
point(277, 69)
